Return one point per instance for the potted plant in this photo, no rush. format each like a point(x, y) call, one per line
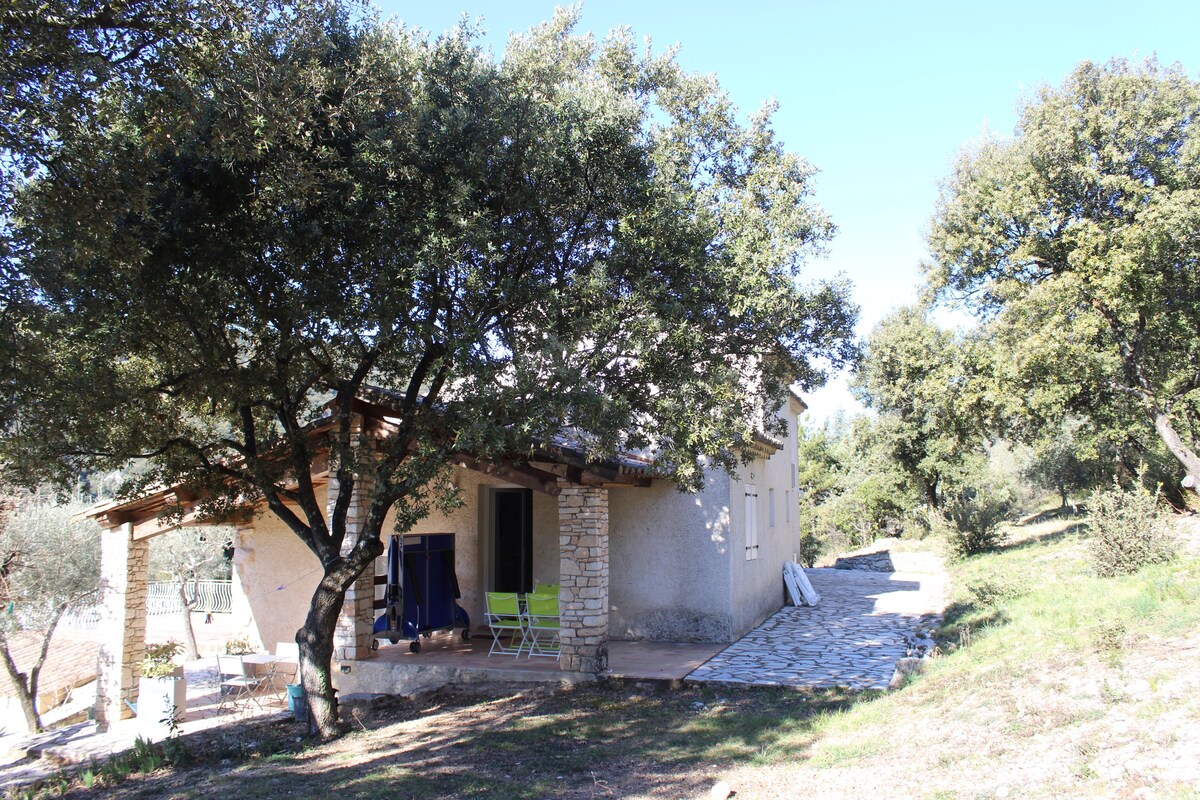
point(162, 690)
point(238, 646)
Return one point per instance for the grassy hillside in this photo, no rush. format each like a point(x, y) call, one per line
point(1054, 683)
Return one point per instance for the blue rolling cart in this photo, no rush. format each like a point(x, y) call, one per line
point(421, 594)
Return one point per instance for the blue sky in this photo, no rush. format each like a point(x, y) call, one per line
point(879, 96)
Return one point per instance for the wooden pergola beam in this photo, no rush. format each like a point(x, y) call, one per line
point(520, 474)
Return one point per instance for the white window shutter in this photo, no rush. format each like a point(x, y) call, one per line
point(751, 522)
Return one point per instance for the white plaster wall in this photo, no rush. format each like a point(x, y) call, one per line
point(757, 585)
point(276, 576)
point(669, 576)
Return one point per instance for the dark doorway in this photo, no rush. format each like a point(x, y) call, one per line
point(512, 542)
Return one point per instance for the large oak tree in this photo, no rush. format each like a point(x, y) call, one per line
point(578, 235)
point(1080, 240)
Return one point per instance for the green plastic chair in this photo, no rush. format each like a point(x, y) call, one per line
point(542, 624)
point(505, 621)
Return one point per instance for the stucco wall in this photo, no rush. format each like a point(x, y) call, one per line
point(276, 575)
point(757, 584)
point(669, 556)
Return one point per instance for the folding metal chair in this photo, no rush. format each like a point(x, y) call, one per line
point(239, 685)
point(542, 625)
point(505, 621)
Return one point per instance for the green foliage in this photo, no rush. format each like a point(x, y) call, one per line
point(1128, 531)
point(852, 492)
point(49, 565)
point(920, 379)
point(1064, 460)
point(159, 659)
point(578, 236)
point(972, 520)
point(39, 578)
point(1077, 242)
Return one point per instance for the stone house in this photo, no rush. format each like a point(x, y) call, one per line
point(637, 559)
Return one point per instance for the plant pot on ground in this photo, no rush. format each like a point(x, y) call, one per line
point(162, 690)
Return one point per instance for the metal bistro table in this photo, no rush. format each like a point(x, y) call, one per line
point(271, 663)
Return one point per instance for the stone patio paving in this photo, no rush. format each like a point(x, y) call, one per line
point(865, 621)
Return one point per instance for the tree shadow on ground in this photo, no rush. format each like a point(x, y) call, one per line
point(962, 619)
point(1042, 539)
point(1062, 512)
point(592, 741)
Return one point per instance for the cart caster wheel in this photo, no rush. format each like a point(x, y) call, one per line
point(414, 647)
point(374, 644)
point(393, 639)
point(466, 634)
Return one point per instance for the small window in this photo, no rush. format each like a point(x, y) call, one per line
point(771, 507)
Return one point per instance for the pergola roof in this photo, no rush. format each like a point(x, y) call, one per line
point(563, 459)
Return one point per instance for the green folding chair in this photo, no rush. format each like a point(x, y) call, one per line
point(505, 622)
point(542, 625)
point(547, 588)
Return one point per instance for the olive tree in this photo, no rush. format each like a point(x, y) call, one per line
point(185, 556)
point(49, 565)
point(576, 236)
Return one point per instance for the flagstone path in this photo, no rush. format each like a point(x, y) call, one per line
point(864, 623)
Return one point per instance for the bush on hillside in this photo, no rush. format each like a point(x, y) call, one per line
point(971, 521)
point(1128, 531)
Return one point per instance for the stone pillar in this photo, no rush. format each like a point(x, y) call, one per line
point(353, 636)
point(583, 572)
point(123, 592)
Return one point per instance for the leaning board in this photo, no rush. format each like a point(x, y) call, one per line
point(798, 585)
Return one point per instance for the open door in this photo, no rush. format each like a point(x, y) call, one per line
point(512, 540)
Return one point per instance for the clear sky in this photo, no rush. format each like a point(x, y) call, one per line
point(879, 96)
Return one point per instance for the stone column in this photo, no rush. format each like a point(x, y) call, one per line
point(583, 572)
point(123, 594)
point(353, 636)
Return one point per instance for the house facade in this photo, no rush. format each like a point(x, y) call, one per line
point(636, 558)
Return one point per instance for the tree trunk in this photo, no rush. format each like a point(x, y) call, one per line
point(930, 488)
point(20, 682)
point(190, 651)
point(1184, 454)
point(316, 649)
point(26, 684)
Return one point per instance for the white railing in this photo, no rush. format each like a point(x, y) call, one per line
point(210, 596)
point(162, 598)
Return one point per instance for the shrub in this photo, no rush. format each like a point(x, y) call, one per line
point(971, 521)
point(1127, 531)
point(238, 646)
point(159, 660)
point(812, 547)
